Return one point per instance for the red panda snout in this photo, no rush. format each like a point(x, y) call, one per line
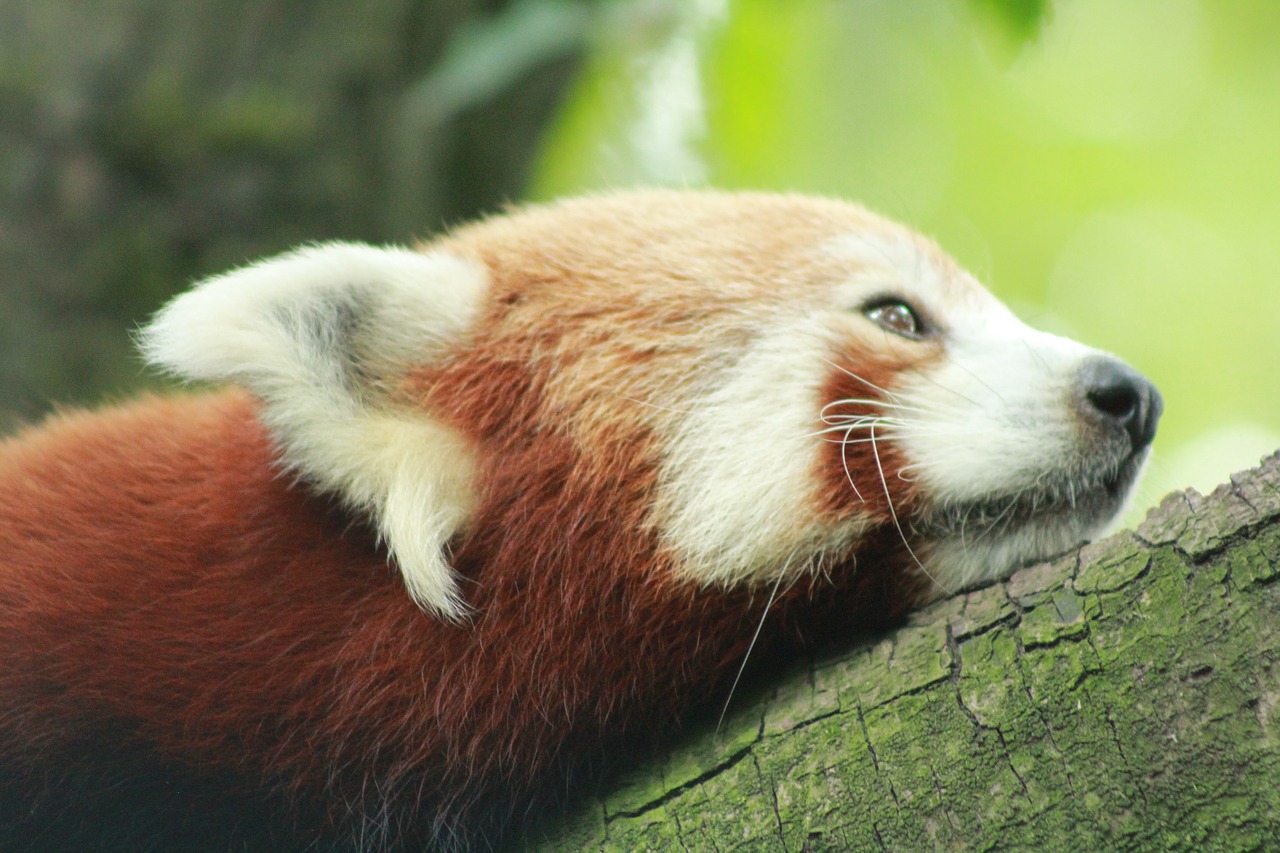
point(1120, 400)
point(1008, 445)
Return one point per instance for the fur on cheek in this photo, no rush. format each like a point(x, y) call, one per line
point(860, 466)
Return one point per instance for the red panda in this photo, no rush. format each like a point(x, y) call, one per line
point(477, 513)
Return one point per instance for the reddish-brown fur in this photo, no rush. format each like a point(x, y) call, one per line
point(162, 575)
point(285, 637)
point(858, 374)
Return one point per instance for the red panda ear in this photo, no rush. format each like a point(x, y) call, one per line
point(318, 334)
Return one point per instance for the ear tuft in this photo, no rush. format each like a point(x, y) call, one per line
point(319, 335)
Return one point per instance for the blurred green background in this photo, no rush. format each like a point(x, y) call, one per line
point(1109, 167)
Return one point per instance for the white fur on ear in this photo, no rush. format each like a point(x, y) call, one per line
point(319, 334)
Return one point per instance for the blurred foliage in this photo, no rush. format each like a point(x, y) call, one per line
point(144, 143)
point(1108, 168)
point(1021, 19)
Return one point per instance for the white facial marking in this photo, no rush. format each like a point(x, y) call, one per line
point(995, 412)
point(892, 260)
point(737, 485)
point(318, 334)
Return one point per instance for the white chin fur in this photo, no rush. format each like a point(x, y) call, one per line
point(958, 561)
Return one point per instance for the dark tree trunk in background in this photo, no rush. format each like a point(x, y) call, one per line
point(1121, 698)
point(146, 143)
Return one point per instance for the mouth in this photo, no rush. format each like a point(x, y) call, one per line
point(1060, 508)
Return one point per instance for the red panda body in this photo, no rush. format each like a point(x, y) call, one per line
point(232, 613)
point(207, 647)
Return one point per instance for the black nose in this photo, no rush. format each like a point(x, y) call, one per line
point(1119, 395)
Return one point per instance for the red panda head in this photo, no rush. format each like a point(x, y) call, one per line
point(765, 382)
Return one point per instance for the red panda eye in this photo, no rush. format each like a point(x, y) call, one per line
point(896, 316)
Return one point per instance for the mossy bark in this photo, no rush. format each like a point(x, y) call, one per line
point(1121, 697)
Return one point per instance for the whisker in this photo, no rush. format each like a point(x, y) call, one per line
point(773, 594)
point(867, 424)
point(867, 401)
point(866, 382)
point(844, 460)
point(894, 514)
point(835, 419)
point(847, 441)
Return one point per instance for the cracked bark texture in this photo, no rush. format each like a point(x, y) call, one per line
point(1121, 697)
